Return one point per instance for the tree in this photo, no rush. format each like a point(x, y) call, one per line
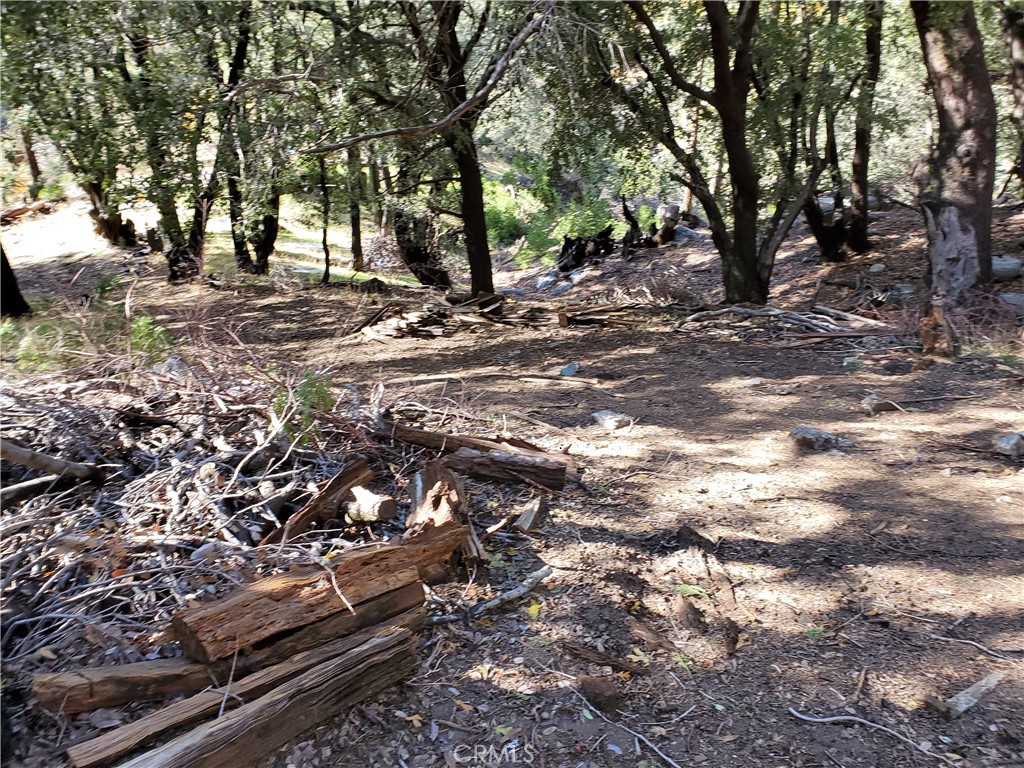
point(12, 303)
point(857, 237)
point(447, 51)
point(956, 180)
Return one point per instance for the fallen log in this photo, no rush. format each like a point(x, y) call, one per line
point(130, 737)
point(257, 611)
point(325, 502)
point(508, 467)
point(370, 507)
point(437, 518)
point(242, 736)
point(15, 213)
point(450, 443)
point(92, 688)
point(34, 460)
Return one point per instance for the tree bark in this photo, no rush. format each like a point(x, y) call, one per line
point(956, 180)
point(412, 235)
point(243, 260)
point(473, 219)
point(355, 191)
point(858, 235)
point(33, 163)
point(264, 242)
point(12, 303)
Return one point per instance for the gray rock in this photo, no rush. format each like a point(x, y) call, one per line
point(685, 233)
point(611, 420)
point(1009, 444)
point(876, 215)
point(559, 290)
point(1006, 268)
point(876, 268)
point(546, 282)
point(513, 292)
point(1014, 301)
point(817, 439)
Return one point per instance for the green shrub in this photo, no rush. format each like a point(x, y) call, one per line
point(311, 396)
point(148, 337)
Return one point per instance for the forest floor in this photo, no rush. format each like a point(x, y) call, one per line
point(863, 578)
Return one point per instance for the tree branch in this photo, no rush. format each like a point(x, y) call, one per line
point(684, 85)
point(475, 101)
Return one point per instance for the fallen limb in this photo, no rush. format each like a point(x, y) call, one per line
point(12, 494)
point(869, 724)
point(35, 460)
point(505, 597)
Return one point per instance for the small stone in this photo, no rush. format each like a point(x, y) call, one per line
point(611, 420)
point(601, 692)
point(1006, 268)
point(562, 289)
point(546, 282)
point(876, 268)
point(747, 383)
point(852, 363)
point(1009, 444)
point(817, 439)
point(1014, 301)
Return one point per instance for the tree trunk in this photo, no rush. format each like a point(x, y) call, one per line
point(377, 206)
point(956, 180)
point(355, 190)
point(12, 303)
point(33, 164)
point(325, 203)
point(474, 221)
point(264, 242)
point(739, 262)
point(858, 235)
point(412, 235)
point(242, 258)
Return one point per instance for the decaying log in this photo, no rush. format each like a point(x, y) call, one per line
point(508, 467)
point(370, 507)
point(324, 504)
point(91, 688)
point(257, 611)
point(35, 460)
point(17, 212)
point(240, 737)
point(611, 315)
point(127, 738)
point(436, 525)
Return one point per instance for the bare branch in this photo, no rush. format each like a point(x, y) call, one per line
point(667, 60)
point(473, 102)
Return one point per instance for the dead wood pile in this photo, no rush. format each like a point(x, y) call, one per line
point(168, 533)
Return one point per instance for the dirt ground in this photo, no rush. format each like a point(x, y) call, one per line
point(851, 583)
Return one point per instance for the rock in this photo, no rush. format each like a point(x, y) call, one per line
point(546, 282)
point(570, 369)
point(1009, 444)
point(513, 292)
point(748, 383)
point(611, 420)
point(827, 204)
point(873, 405)
point(876, 215)
point(685, 233)
point(601, 692)
point(852, 363)
point(668, 214)
point(1006, 268)
point(577, 276)
point(817, 439)
point(559, 290)
point(876, 268)
point(1014, 301)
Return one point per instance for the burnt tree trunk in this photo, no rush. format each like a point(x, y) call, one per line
point(355, 190)
point(325, 208)
point(412, 233)
point(106, 219)
point(858, 235)
point(12, 303)
point(956, 180)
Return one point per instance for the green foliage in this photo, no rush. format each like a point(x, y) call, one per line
point(691, 590)
point(149, 338)
point(505, 214)
point(310, 397)
point(585, 217)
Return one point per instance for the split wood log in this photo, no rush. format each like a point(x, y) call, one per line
point(239, 738)
point(370, 507)
point(34, 460)
point(509, 467)
point(451, 443)
point(130, 737)
point(531, 515)
point(88, 689)
point(280, 603)
point(325, 502)
point(438, 514)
